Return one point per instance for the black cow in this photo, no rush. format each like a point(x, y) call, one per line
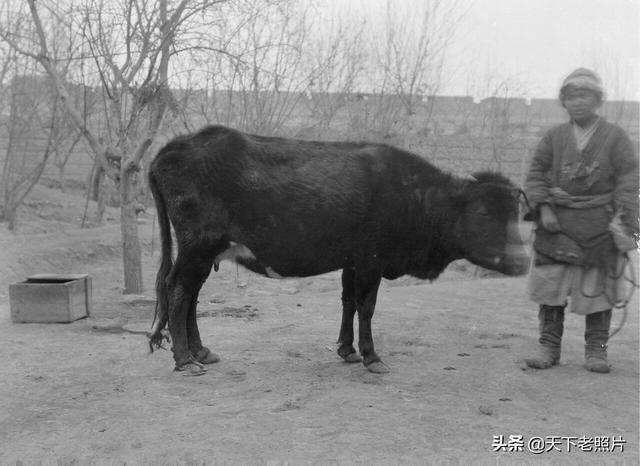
point(294, 208)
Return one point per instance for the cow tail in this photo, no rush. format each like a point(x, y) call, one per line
point(161, 316)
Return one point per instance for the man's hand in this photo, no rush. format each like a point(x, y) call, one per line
point(548, 219)
point(623, 240)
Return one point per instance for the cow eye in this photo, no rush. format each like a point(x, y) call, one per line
point(482, 211)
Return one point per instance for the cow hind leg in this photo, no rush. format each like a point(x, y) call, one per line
point(201, 353)
point(346, 350)
point(179, 303)
point(189, 272)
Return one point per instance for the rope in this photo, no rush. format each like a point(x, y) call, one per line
point(624, 304)
point(630, 277)
point(627, 273)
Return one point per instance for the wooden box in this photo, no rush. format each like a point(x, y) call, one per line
point(51, 298)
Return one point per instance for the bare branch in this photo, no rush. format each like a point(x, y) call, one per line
point(51, 70)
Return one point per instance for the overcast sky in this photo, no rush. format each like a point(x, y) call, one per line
point(540, 41)
point(535, 43)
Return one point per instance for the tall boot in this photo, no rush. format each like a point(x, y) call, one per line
point(551, 320)
point(596, 336)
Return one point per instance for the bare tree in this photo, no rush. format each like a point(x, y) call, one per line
point(66, 138)
point(413, 47)
point(36, 129)
point(499, 126)
point(130, 44)
point(338, 61)
point(408, 47)
point(617, 83)
point(258, 75)
point(33, 110)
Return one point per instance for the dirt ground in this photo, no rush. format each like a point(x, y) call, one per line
point(89, 392)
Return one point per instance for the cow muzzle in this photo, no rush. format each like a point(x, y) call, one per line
point(514, 264)
point(508, 256)
point(512, 261)
point(516, 259)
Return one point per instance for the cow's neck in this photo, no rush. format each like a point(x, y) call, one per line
point(435, 222)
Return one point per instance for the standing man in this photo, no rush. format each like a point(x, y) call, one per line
point(582, 184)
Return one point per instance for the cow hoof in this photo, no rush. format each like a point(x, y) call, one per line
point(205, 356)
point(191, 369)
point(349, 354)
point(378, 367)
point(352, 357)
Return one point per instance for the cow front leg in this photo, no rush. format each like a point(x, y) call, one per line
point(346, 350)
point(366, 295)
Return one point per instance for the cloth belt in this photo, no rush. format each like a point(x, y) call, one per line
point(584, 238)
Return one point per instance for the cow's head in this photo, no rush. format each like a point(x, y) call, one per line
point(488, 230)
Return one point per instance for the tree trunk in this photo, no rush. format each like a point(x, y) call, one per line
point(61, 178)
point(101, 194)
point(131, 250)
point(10, 214)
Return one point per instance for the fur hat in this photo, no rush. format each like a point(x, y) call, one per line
point(582, 78)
